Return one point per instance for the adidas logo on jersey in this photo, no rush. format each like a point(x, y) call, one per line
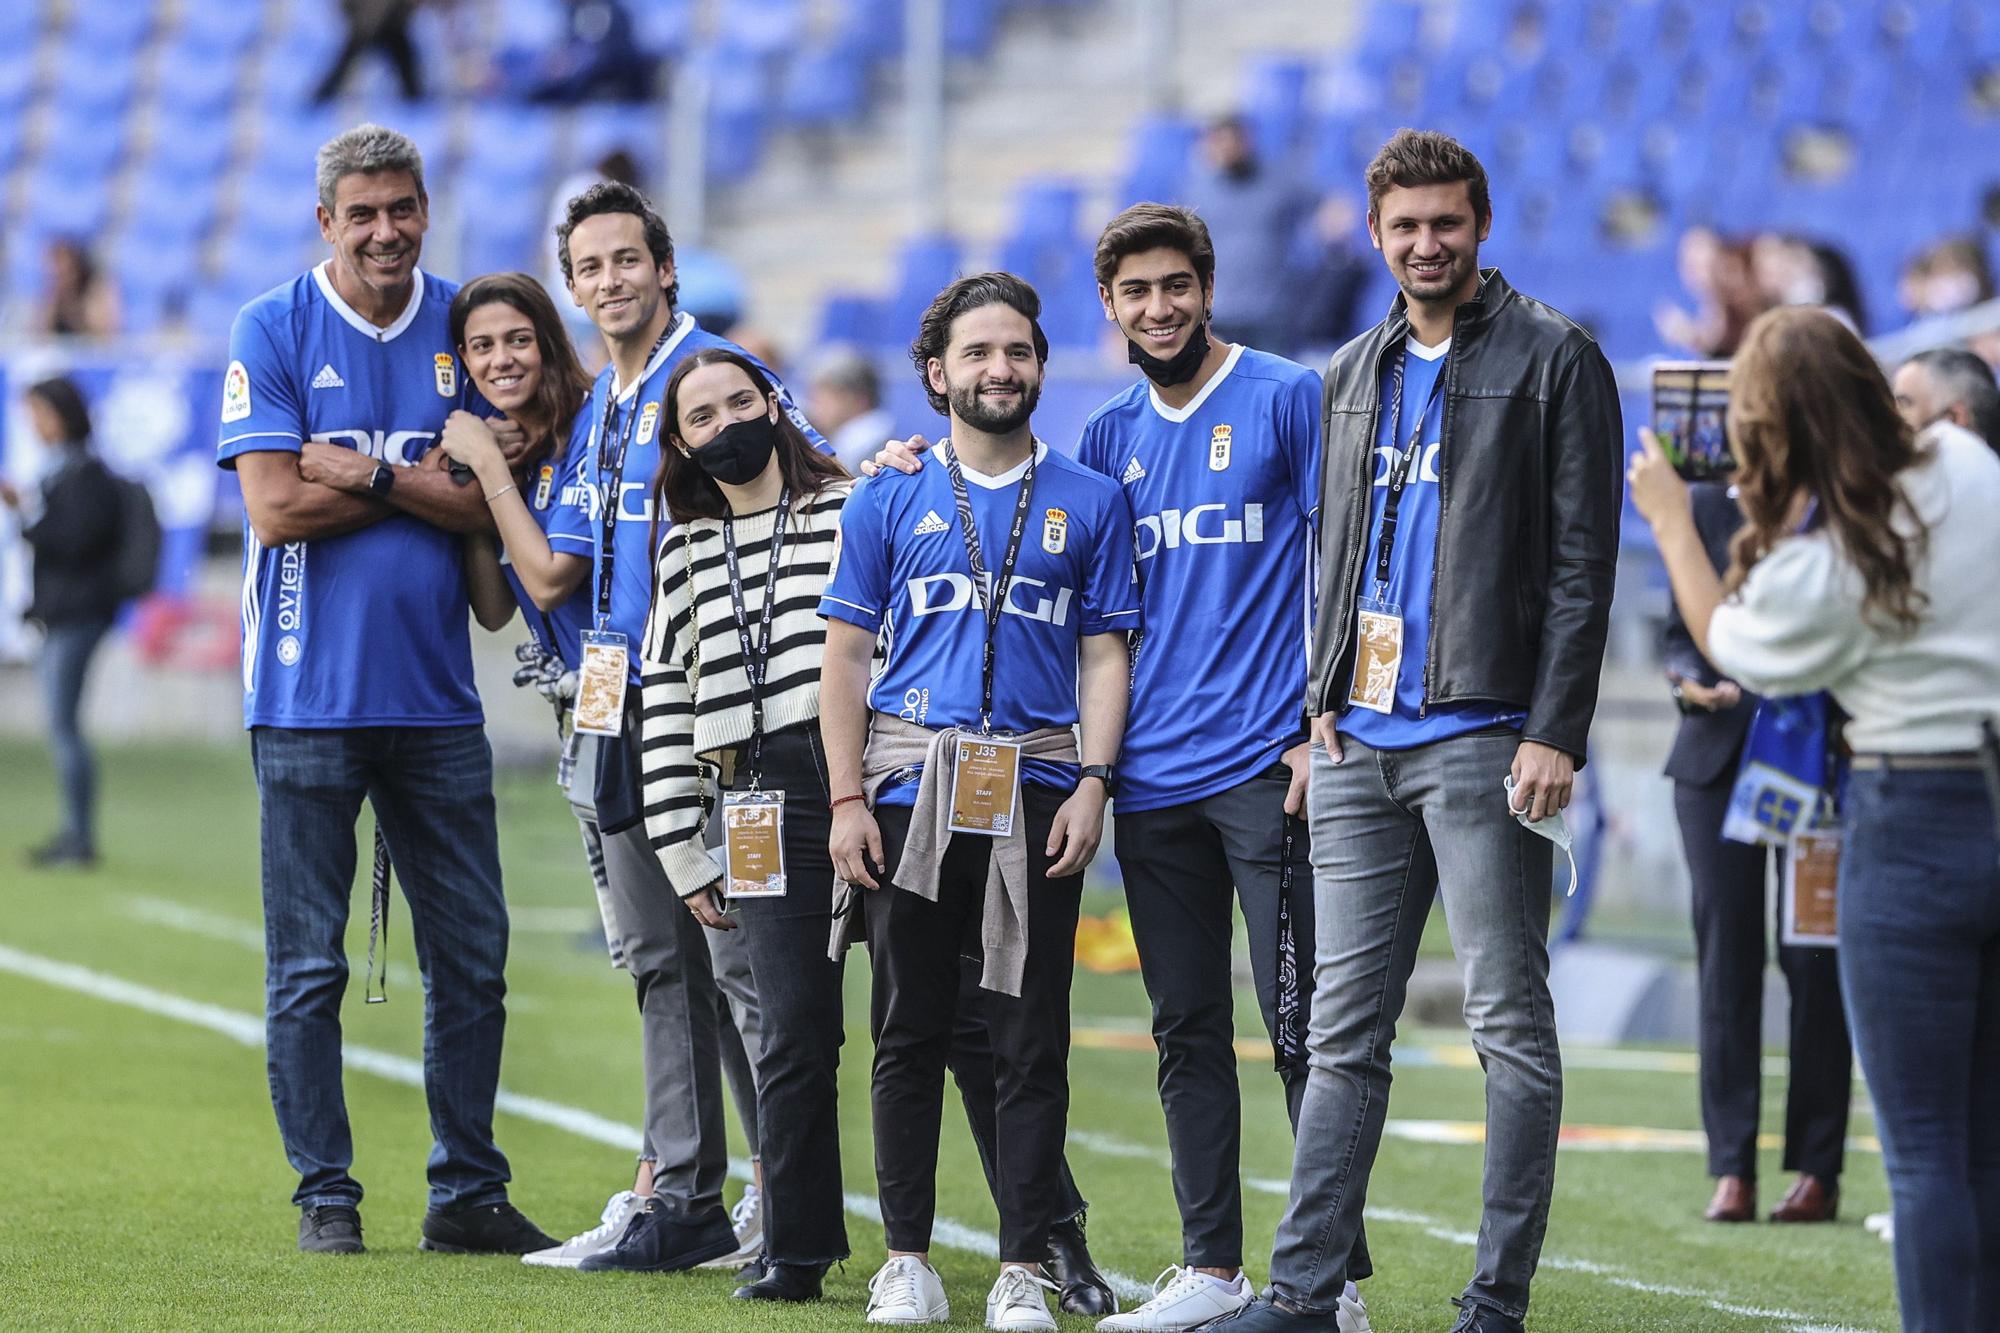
point(1133, 472)
point(928, 524)
point(328, 378)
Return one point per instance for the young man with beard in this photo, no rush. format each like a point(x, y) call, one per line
point(1217, 451)
point(1467, 550)
point(1006, 626)
point(358, 685)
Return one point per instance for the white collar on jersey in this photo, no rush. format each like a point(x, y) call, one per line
point(1180, 414)
point(1007, 478)
point(1422, 352)
point(355, 318)
point(683, 326)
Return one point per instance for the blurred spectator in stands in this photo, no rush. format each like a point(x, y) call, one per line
point(71, 524)
point(383, 25)
point(756, 342)
point(1334, 270)
point(1717, 273)
point(712, 288)
point(81, 301)
point(598, 60)
point(1949, 384)
point(844, 399)
point(1946, 278)
point(1255, 216)
point(1791, 270)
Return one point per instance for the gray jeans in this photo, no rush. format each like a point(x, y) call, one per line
point(697, 1007)
point(1391, 830)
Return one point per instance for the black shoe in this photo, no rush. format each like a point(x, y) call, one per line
point(662, 1238)
point(63, 851)
point(785, 1282)
point(1265, 1315)
point(753, 1271)
point(1070, 1267)
point(485, 1228)
point(1476, 1318)
point(330, 1228)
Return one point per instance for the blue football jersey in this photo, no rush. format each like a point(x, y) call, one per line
point(1412, 560)
point(1225, 498)
point(902, 570)
point(561, 630)
point(370, 628)
point(577, 525)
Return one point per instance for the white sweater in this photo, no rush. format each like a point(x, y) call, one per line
point(680, 721)
point(1795, 626)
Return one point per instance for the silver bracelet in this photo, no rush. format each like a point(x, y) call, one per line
point(502, 491)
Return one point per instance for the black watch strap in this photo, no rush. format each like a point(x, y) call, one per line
point(384, 477)
point(1106, 773)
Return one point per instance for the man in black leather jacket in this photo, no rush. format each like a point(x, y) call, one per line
point(1469, 530)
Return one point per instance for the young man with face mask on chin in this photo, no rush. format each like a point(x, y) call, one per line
point(619, 262)
point(1468, 543)
point(1217, 451)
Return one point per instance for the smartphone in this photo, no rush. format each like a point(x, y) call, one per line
point(1690, 411)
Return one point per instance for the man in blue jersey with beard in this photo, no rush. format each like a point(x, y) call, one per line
point(1217, 450)
point(357, 679)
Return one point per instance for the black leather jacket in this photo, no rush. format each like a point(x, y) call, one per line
point(1528, 498)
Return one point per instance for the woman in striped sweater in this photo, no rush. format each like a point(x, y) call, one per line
point(756, 514)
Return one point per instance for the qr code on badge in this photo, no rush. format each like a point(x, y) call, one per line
point(1003, 825)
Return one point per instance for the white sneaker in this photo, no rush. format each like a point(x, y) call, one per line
point(1882, 1224)
point(1016, 1302)
point(1351, 1313)
point(611, 1225)
point(747, 1220)
point(1182, 1299)
point(906, 1290)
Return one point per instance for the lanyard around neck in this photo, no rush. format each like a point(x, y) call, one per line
point(993, 599)
point(757, 657)
point(1402, 464)
point(611, 473)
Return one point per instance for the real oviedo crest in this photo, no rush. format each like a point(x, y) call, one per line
point(1218, 448)
point(447, 374)
point(1055, 531)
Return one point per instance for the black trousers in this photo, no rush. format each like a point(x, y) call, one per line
point(1185, 869)
point(922, 1007)
point(799, 990)
point(1729, 921)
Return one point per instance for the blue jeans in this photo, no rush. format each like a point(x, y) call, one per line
point(1920, 965)
point(432, 790)
point(1391, 830)
point(65, 663)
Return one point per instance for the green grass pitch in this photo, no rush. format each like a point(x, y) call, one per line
point(142, 1185)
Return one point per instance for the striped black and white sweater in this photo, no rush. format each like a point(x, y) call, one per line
point(696, 703)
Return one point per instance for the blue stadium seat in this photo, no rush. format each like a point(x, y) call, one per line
point(665, 27)
point(223, 30)
point(113, 29)
point(826, 83)
point(850, 318)
point(595, 130)
point(926, 265)
point(510, 143)
point(1162, 147)
point(1274, 103)
point(765, 27)
point(969, 26)
point(738, 112)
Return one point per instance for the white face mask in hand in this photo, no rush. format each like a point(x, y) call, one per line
point(1553, 827)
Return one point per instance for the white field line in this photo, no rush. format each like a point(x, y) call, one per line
point(248, 1030)
point(1794, 1321)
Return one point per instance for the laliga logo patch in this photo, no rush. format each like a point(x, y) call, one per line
point(447, 374)
point(288, 650)
point(235, 392)
point(1055, 531)
point(649, 421)
point(545, 482)
point(1218, 448)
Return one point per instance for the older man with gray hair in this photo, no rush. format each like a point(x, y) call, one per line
point(357, 683)
point(1949, 384)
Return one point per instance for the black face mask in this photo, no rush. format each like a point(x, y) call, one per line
point(739, 451)
point(1177, 369)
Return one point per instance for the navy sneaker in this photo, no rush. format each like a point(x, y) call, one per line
point(1474, 1317)
point(1265, 1315)
point(330, 1228)
point(665, 1238)
point(484, 1228)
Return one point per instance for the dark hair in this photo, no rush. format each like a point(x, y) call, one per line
point(1964, 377)
point(962, 298)
point(1426, 157)
point(1144, 227)
point(565, 386)
point(685, 492)
point(615, 196)
point(66, 401)
point(1841, 290)
point(1809, 411)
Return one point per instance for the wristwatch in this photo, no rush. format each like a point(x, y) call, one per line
point(1105, 773)
point(383, 478)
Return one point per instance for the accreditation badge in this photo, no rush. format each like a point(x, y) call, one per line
point(1812, 876)
point(986, 780)
point(1378, 656)
point(753, 844)
point(600, 683)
